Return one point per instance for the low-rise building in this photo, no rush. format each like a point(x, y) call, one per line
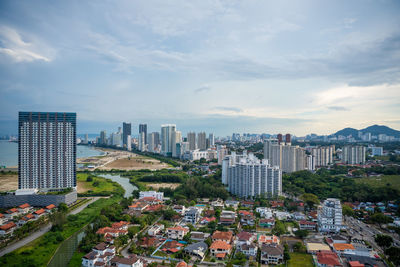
point(100, 255)
point(232, 204)
point(179, 209)
point(222, 236)
point(227, 217)
point(39, 213)
point(264, 212)
point(267, 223)
point(8, 228)
point(157, 195)
point(198, 250)
point(327, 259)
point(177, 232)
point(343, 248)
point(24, 208)
point(250, 250)
point(132, 261)
point(156, 229)
point(192, 215)
point(25, 219)
point(268, 239)
point(50, 208)
point(11, 213)
point(271, 254)
point(306, 225)
point(314, 247)
point(220, 249)
point(199, 236)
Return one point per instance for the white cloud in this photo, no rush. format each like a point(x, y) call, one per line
point(19, 50)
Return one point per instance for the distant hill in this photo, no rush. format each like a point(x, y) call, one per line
point(347, 131)
point(374, 130)
point(381, 129)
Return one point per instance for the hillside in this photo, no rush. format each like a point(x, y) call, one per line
point(374, 130)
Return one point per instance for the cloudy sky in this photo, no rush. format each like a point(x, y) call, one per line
point(222, 66)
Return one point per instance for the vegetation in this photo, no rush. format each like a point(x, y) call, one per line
point(325, 185)
point(300, 260)
point(384, 241)
point(97, 186)
point(39, 251)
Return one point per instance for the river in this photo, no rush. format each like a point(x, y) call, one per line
point(123, 181)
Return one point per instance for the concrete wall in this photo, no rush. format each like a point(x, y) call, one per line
point(11, 200)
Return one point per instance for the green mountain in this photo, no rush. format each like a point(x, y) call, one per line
point(374, 130)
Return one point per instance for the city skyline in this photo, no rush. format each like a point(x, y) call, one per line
point(266, 67)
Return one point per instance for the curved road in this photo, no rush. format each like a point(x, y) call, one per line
point(40, 232)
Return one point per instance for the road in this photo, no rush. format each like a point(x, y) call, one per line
point(40, 232)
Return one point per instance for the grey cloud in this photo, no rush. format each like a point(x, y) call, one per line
point(204, 88)
point(234, 109)
point(338, 108)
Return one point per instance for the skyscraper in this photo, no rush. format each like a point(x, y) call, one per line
point(211, 139)
point(103, 138)
point(201, 141)
point(143, 129)
point(127, 130)
point(167, 130)
point(354, 154)
point(46, 150)
point(191, 138)
point(176, 139)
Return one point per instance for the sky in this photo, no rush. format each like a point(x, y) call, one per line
point(219, 66)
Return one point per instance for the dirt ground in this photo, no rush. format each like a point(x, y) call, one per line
point(163, 185)
point(8, 182)
point(123, 160)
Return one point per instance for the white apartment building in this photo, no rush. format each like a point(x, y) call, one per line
point(353, 154)
point(167, 138)
point(157, 195)
point(323, 156)
point(330, 216)
point(250, 177)
point(285, 156)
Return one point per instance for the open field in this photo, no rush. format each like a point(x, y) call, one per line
point(8, 182)
point(99, 185)
point(162, 185)
point(122, 160)
point(382, 181)
point(300, 260)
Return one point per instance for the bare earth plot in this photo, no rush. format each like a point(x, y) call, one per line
point(8, 182)
point(134, 162)
point(163, 185)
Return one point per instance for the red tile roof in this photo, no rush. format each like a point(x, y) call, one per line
point(222, 235)
point(220, 255)
point(38, 212)
point(220, 245)
point(24, 206)
point(178, 228)
point(118, 225)
point(7, 226)
point(328, 258)
point(341, 246)
point(356, 264)
point(51, 206)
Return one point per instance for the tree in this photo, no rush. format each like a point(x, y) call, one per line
point(310, 199)
point(299, 247)
point(394, 255)
point(63, 207)
point(380, 218)
point(286, 255)
point(89, 178)
point(301, 233)
point(384, 241)
point(279, 228)
point(348, 211)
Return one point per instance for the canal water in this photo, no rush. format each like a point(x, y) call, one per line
point(68, 247)
point(123, 181)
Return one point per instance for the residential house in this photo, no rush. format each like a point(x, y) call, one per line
point(172, 246)
point(267, 223)
point(24, 208)
point(25, 219)
point(198, 250)
point(306, 225)
point(227, 217)
point(122, 225)
point(232, 203)
point(179, 209)
point(199, 236)
point(50, 208)
point(250, 250)
point(148, 242)
point(100, 255)
point(192, 215)
point(109, 231)
point(328, 259)
point(281, 215)
point(2, 219)
point(8, 228)
point(151, 194)
point(207, 220)
point(271, 254)
point(220, 249)
point(298, 216)
point(268, 239)
point(222, 236)
point(264, 212)
point(247, 204)
point(156, 229)
point(343, 248)
point(39, 213)
point(177, 232)
point(244, 238)
point(132, 261)
point(11, 213)
point(217, 204)
point(314, 247)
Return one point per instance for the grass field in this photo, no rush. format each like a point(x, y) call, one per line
point(382, 181)
point(300, 260)
point(39, 251)
point(99, 185)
